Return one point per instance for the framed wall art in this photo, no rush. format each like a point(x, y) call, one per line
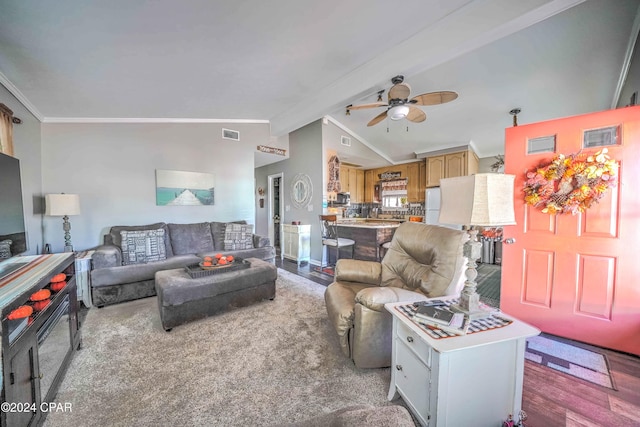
point(179, 188)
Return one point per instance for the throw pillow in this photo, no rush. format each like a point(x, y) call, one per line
point(217, 231)
point(238, 236)
point(142, 246)
point(5, 249)
point(190, 238)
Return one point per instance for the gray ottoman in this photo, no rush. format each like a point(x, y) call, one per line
point(182, 299)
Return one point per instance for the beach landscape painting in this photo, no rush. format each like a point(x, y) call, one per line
point(179, 188)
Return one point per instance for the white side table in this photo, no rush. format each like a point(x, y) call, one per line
point(470, 380)
point(296, 242)
point(83, 277)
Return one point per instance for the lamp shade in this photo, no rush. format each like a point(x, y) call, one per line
point(484, 199)
point(398, 112)
point(62, 204)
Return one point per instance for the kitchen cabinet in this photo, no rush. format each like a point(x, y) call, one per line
point(422, 176)
point(369, 186)
point(296, 242)
point(469, 380)
point(450, 165)
point(352, 182)
point(359, 193)
point(416, 181)
point(344, 179)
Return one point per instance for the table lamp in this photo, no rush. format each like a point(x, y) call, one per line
point(484, 199)
point(63, 205)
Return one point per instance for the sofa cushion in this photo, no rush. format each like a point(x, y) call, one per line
point(142, 246)
point(238, 236)
point(114, 237)
point(217, 232)
point(190, 238)
point(138, 272)
point(340, 299)
point(424, 258)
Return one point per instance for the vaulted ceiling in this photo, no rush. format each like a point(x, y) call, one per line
point(291, 62)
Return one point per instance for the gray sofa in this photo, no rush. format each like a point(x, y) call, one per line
point(118, 276)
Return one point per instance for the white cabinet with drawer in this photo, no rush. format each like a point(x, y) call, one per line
point(296, 242)
point(470, 380)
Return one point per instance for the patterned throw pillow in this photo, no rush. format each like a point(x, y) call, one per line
point(238, 236)
point(142, 246)
point(5, 249)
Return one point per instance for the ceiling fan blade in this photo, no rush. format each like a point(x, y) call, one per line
point(377, 119)
point(434, 98)
point(364, 106)
point(416, 115)
point(399, 91)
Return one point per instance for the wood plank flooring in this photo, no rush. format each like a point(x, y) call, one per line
point(551, 398)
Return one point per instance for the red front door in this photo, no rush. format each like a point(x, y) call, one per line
point(577, 276)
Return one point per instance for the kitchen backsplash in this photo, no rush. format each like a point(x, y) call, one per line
point(366, 210)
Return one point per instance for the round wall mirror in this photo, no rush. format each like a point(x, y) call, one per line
point(301, 190)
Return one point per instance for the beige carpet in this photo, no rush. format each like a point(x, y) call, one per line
point(272, 363)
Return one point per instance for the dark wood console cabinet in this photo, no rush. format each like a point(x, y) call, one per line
point(35, 359)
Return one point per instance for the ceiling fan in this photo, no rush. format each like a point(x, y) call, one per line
point(400, 106)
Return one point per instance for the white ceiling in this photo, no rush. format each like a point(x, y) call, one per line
point(292, 62)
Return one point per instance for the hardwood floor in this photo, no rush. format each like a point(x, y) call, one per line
point(551, 398)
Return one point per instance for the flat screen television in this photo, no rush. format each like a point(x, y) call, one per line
point(11, 208)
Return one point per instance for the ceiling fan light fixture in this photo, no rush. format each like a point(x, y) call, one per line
point(398, 112)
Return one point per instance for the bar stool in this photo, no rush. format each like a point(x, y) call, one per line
point(329, 230)
point(382, 250)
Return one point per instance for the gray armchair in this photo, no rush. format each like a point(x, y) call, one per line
point(423, 261)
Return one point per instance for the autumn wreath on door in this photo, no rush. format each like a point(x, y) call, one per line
point(570, 184)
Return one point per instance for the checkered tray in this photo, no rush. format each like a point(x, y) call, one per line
point(492, 322)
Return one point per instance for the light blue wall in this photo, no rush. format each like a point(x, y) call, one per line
point(306, 156)
point(112, 168)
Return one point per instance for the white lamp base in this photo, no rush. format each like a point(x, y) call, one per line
point(469, 303)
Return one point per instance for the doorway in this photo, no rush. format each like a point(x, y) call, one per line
point(575, 276)
point(275, 210)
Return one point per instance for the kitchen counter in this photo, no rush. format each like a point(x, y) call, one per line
point(368, 235)
point(369, 224)
point(383, 218)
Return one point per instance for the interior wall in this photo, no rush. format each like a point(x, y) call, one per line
point(485, 163)
point(26, 144)
point(305, 145)
point(112, 168)
point(632, 83)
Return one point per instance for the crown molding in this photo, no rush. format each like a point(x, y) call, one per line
point(146, 120)
point(628, 56)
point(4, 80)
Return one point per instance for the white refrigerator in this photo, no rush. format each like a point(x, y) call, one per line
point(432, 208)
point(432, 205)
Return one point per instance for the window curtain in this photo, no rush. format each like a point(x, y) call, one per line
point(6, 130)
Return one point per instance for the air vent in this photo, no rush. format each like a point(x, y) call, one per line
point(230, 134)
point(345, 140)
